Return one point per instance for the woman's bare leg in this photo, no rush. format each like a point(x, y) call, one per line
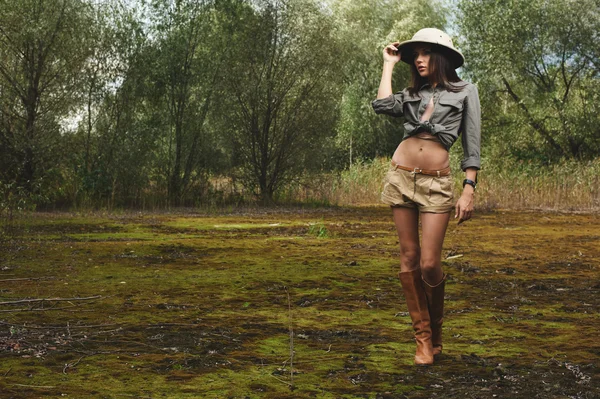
point(433, 230)
point(407, 226)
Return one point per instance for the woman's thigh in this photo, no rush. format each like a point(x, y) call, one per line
point(434, 227)
point(407, 226)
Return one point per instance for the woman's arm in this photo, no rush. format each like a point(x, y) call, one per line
point(471, 139)
point(471, 131)
point(385, 85)
point(387, 102)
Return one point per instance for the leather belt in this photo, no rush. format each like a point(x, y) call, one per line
point(438, 173)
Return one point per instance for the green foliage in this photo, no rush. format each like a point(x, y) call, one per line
point(537, 64)
point(112, 147)
point(281, 105)
point(318, 230)
point(363, 28)
point(15, 201)
point(44, 45)
point(159, 103)
point(187, 70)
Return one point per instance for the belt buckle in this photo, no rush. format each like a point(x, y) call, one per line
point(417, 170)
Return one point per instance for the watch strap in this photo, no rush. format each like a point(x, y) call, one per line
point(470, 182)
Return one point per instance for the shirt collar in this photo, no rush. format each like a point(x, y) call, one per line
point(429, 85)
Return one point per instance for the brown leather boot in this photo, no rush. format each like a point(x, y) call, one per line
point(435, 301)
point(416, 301)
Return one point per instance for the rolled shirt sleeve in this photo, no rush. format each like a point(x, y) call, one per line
point(390, 105)
point(471, 131)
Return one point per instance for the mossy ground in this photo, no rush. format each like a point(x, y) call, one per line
point(196, 306)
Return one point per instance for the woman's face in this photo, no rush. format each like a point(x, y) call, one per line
point(422, 55)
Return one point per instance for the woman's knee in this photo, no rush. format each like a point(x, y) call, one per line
point(410, 257)
point(429, 264)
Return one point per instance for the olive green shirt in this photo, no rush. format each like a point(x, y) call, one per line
point(454, 114)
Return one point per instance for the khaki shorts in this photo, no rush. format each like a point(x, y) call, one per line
point(415, 190)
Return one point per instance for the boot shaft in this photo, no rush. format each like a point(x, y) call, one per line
point(416, 302)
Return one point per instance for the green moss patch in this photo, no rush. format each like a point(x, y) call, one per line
point(192, 306)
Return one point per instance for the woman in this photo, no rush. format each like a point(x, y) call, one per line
point(437, 107)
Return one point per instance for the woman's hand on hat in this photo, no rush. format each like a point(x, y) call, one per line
point(391, 53)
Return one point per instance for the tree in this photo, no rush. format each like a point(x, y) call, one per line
point(537, 62)
point(284, 92)
point(111, 152)
point(189, 56)
point(42, 52)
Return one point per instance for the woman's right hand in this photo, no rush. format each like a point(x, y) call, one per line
point(391, 53)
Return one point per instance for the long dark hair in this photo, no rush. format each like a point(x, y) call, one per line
point(440, 72)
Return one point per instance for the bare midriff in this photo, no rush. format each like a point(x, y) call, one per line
point(422, 151)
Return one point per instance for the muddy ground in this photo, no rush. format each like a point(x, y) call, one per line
point(191, 305)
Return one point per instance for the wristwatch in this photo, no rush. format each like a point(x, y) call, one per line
point(469, 182)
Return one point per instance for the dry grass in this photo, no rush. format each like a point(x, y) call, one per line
point(358, 185)
point(503, 184)
point(566, 186)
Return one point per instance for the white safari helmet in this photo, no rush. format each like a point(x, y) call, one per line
point(442, 42)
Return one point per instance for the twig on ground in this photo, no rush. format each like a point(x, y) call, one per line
point(70, 365)
point(56, 327)
point(291, 339)
point(31, 309)
point(50, 300)
point(29, 278)
point(33, 386)
point(280, 380)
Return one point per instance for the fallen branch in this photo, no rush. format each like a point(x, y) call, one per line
point(30, 278)
point(66, 308)
point(50, 300)
point(55, 327)
point(33, 386)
